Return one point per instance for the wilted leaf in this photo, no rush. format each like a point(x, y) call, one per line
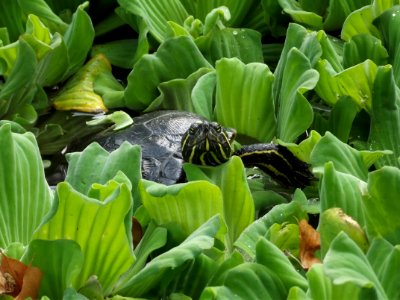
point(17, 279)
point(309, 244)
point(78, 93)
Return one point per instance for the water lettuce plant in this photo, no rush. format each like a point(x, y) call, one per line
point(320, 77)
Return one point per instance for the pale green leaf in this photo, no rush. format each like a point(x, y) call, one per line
point(25, 197)
point(98, 227)
point(381, 206)
point(243, 91)
point(159, 268)
point(238, 205)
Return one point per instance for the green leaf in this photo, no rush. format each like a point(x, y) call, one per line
point(25, 196)
point(176, 93)
point(346, 263)
point(78, 38)
point(300, 15)
point(285, 237)
point(342, 190)
point(238, 9)
point(175, 58)
point(160, 267)
point(356, 82)
point(295, 114)
point(362, 47)
point(332, 221)
point(156, 14)
point(59, 260)
point(381, 206)
point(385, 259)
point(238, 205)
point(338, 10)
point(109, 88)
point(296, 37)
point(322, 287)
point(287, 212)
point(84, 167)
point(19, 87)
point(12, 18)
point(187, 205)
point(120, 53)
point(388, 23)
point(248, 281)
point(119, 119)
point(243, 91)
point(342, 116)
point(385, 114)
point(42, 9)
point(270, 256)
point(97, 226)
point(54, 63)
point(243, 43)
point(344, 158)
point(203, 95)
point(154, 238)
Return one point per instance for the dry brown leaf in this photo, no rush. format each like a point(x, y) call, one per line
point(17, 279)
point(310, 242)
point(137, 232)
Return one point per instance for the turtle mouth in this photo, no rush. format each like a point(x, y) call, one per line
point(206, 143)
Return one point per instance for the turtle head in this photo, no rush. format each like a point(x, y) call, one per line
point(207, 143)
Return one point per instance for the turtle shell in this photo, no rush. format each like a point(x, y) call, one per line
point(159, 134)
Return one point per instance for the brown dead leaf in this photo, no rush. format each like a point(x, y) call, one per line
point(310, 242)
point(137, 232)
point(17, 279)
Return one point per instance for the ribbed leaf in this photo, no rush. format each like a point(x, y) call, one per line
point(338, 10)
point(187, 205)
point(322, 287)
point(238, 9)
point(382, 206)
point(176, 93)
point(385, 115)
point(96, 165)
point(389, 24)
point(361, 21)
point(345, 158)
point(300, 15)
point(356, 82)
point(274, 259)
point(287, 212)
point(363, 47)
point(78, 93)
point(25, 196)
point(156, 14)
point(59, 260)
point(342, 190)
point(346, 263)
point(385, 259)
point(78, 38)
point(248, 281)
point(176, 58)
point(238, 205)
point(296, 37)
point(97, 226)
point(295, 114)
point(160, 267)
point(19, 87)
point(244, 98)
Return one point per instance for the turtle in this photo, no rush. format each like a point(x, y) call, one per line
point(168, 138)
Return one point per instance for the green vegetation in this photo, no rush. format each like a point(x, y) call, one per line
point(321, 77)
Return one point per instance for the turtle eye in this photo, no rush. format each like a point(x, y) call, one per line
point(191, 130)
point(218, 128)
